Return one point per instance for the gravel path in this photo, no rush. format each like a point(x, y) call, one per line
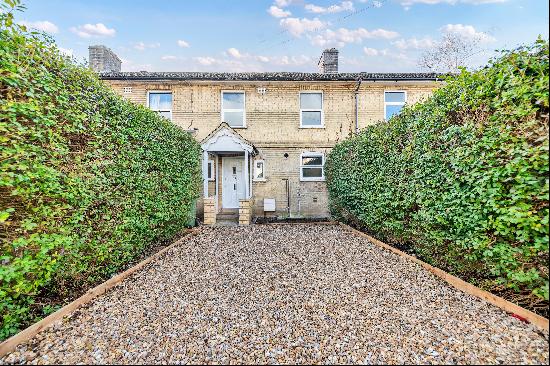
point(285, 294)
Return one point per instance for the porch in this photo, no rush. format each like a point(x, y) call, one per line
point(227, 176)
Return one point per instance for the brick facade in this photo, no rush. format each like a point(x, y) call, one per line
point(273, 126)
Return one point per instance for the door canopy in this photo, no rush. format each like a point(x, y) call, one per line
point(225, 139)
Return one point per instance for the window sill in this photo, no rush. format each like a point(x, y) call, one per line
point(312, 180)
point(317, 127)
point(259, 180)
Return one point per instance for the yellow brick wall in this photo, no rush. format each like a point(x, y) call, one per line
point(273, 126)
point(274, 118)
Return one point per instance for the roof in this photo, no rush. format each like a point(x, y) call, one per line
point(269, 76)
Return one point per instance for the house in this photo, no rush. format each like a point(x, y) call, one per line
point(265, 136)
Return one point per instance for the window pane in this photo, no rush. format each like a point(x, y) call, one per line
point(209, 170)
point(395, 97)
point(312, 160)
point(233, 100)
point(311, 118)
point(312, 172)
point(392, 110)
point(311, 101)
point(259, 170)
point(160, 101)
point(234, 119)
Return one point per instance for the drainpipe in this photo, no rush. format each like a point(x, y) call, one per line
point(357, 105)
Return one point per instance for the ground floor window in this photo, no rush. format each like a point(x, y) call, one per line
point(211, 170)
point(312, 166)
point(259, 170)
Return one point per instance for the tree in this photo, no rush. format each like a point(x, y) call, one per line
point(450, 53)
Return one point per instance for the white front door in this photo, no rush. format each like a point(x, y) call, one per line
point(233, 184)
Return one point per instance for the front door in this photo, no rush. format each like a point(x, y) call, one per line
point(233, 187)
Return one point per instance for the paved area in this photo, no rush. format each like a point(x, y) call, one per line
point(285, 294)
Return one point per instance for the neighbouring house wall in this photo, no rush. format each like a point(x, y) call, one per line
point(273, 126)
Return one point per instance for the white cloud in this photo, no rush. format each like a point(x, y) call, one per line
point(93, 30)
point(66, 51)
point(205, 60)
point(262, 59)
point(183, 44)
point(141, 46)
point(284, 3)
point(129, 65)
point(414, 43)
point(233, 52)
point(41, 25)
point(370, 51)
point(467, 31)
point(297, 26)
point(344, 6)
point(408, 3)
point(342, 36)
point(293, 61)
point(251, 63)
point(278, 12)
point(169, 58)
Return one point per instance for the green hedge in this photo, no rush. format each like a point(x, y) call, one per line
point(88, 181)
point(461, 178)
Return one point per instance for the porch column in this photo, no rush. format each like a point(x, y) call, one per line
point(205, 173)
point(247, 181)
point(251, 167)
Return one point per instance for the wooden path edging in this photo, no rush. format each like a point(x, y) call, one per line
point(463, 286)
point(11, 343)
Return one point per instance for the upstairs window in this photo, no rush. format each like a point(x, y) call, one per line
point(233, 109)
point(311, 110)
point(312, 166)
point(161, 102)
point(393, 103)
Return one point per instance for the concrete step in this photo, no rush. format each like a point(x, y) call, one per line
point(227, 222)
point(227, 216)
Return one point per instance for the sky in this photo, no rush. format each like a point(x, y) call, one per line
point(282, 35)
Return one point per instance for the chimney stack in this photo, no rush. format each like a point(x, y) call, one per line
point(102, 59)
point(328, 63)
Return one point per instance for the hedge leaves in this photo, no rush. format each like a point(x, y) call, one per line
point(88, 181)
point(462, 178)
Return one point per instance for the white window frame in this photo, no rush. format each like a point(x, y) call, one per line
point(161, 92)
point(393, 103)
point(255, 177)
point(322, 125)
point(212, 176)
point(223, 110)
point(127, 90)
point(312, 154)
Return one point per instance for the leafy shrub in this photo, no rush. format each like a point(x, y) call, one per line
point(88, 181)
point(462, 178)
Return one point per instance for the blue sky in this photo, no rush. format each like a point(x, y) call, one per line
point(281, 35)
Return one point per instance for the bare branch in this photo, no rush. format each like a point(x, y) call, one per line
point(451, 53)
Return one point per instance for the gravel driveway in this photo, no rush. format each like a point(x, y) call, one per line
point(285, 294)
